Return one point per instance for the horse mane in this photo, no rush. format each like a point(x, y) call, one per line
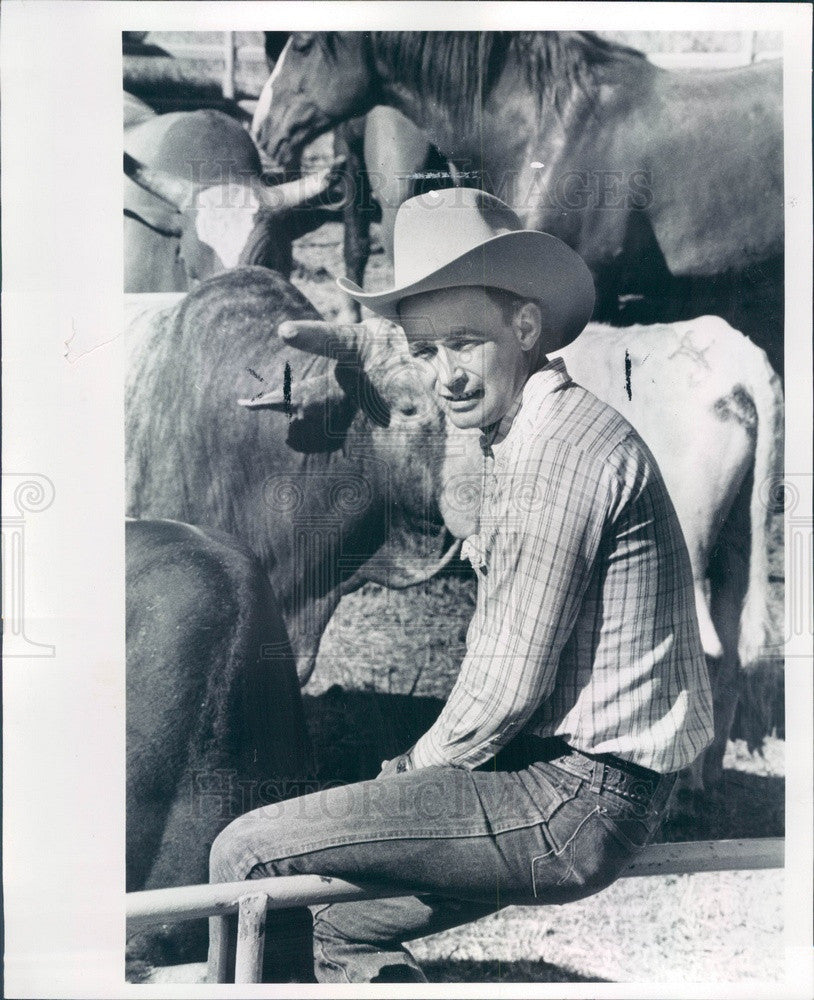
point(458, 69)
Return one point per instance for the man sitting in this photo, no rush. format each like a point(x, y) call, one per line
point(584, 687)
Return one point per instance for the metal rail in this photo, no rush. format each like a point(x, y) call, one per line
point(671, 60)
point(250, 900)
point(229, 53)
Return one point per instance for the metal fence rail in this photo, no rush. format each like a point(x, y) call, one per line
point(229, 54)
point(251, 900)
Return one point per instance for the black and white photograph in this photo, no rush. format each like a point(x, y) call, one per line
point(407, 525)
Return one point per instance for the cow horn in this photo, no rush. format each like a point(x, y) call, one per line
point(292, 194)
point(177, 191)
point(326, 339)
point(314, 391)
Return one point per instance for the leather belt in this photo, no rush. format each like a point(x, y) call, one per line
point(625, 766)
point(551, 747)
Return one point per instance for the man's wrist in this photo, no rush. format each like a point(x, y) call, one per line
point(421, 754)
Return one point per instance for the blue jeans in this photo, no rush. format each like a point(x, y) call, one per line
point(462, 843)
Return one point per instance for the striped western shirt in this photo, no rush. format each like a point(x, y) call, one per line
point(585, 624)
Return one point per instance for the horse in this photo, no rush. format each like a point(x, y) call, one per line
point(388, 160)
point(668, 183)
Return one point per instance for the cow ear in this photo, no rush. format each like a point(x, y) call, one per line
point(319, 412)
point(297, 398)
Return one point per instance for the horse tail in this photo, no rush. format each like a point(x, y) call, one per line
point(759, 639)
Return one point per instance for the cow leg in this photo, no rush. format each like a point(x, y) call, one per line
point(729, 575)
point(714, 515)
point(729, 579)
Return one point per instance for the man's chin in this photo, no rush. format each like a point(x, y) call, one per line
point(465, 420)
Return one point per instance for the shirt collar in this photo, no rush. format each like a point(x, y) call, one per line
point(545, 380)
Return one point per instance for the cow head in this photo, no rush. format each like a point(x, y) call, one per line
point(429, 469)
point(222, 226)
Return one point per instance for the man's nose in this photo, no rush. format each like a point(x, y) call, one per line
point(450, 374)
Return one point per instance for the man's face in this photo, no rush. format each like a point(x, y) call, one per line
point(471, 356)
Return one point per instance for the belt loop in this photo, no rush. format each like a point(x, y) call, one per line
point(598, 776)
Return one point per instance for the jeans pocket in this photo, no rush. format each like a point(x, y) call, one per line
point(591, 845)
point(633, 828)
point(554, 868)
point(550, 786)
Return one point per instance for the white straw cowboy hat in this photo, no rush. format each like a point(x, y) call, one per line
point(463, 236)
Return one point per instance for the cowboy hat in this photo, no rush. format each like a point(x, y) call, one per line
point(465, 237)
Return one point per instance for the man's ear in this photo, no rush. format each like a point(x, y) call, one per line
point(528, 325)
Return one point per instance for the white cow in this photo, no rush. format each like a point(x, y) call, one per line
point(709, 406)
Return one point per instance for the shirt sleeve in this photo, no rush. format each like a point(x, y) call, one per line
point(541, 548)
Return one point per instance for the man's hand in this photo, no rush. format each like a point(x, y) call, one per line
point(398, 765)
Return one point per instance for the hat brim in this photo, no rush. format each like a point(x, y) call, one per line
point(528, 263)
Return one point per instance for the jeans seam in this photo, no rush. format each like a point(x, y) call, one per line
point(327, 962)
point(251, 861)
point(627, 842)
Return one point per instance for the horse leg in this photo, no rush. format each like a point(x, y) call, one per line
point(395, 152)
point(349, 143)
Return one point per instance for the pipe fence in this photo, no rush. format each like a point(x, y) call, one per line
point(252, 899)
point(229, 53)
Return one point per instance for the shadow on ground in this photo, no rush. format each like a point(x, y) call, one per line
point(452, 971)
point(745, 805)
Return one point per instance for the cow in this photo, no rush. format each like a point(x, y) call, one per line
point(710, 407)
point(337, 482)
point(214, 716)
point(195, 201)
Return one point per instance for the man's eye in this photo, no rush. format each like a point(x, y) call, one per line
point(461, 346)
point(422, 351)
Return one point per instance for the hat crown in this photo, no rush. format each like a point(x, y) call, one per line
point(437, 227)
point(466, 238)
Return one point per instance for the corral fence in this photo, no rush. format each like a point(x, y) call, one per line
point(224, 58)
point(252, 899)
